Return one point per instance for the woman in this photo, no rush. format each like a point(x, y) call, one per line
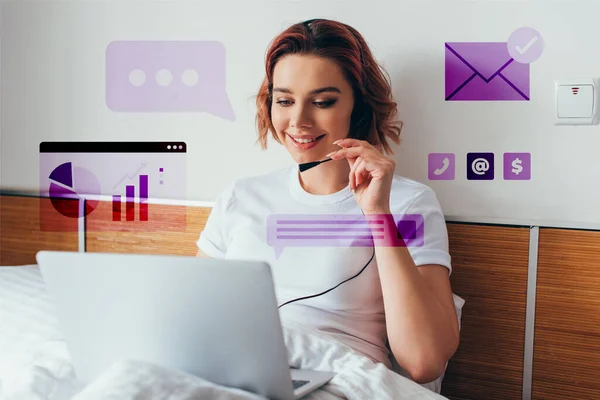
point(324, 96)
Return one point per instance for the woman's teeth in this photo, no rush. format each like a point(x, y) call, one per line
point(307, 140)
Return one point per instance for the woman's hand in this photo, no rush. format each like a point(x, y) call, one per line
point(371, 174)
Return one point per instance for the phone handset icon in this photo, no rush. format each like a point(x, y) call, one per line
point(446, 164)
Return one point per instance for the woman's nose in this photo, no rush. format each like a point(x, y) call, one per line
point(301, 118)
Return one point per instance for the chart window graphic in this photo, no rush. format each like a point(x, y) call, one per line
point(113, 186)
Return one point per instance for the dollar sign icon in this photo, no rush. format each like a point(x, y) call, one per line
point(516, 166)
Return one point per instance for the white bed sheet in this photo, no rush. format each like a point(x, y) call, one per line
point(35, 363)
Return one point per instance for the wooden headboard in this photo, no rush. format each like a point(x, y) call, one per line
point(530, 325)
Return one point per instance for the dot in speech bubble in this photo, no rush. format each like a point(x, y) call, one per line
point(167, 76)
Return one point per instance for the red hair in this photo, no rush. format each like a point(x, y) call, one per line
point(374, 108)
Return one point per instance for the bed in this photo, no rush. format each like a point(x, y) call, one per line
point(529, 293)
point(36, 363)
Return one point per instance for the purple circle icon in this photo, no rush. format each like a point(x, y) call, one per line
point(525, 45)
point(68, 183)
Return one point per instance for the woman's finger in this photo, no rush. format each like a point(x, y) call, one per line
point(353, 177)
point(348, 142)
point(362, 173)
point(351, 152)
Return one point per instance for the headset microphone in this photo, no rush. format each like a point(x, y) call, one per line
point(306, 166)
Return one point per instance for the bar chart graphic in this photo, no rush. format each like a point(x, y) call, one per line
point(130, 202)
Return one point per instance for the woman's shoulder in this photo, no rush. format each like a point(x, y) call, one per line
point(406, 192)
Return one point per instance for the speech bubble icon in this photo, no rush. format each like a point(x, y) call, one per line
point(167, 76)
point(343, 230)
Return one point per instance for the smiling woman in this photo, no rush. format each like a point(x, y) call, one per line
point(344, 76)
point(324, 96)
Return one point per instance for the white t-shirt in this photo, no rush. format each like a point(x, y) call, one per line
point(352, 313)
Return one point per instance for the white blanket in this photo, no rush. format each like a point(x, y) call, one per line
point(35, 363)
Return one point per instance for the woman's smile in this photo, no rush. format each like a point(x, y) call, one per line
point(305, 142)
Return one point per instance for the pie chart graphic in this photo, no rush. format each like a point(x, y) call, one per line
point(68, 183)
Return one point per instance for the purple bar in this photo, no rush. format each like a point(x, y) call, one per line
point(318, 221)
point(312, 237)
point(143, 197)
point(116, 207)
point(329, 229)
point(143, 188)
point(129, 205)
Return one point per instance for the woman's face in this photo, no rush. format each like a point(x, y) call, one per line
point(312, 101)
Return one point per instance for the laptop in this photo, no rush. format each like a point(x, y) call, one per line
point(213, 318)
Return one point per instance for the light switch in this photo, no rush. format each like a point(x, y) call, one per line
point(577, 102)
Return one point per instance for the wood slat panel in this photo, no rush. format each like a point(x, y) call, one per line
point(170, 230)
point(490, 266)
point(566, 358)
point(473, 388)
point(21, 236)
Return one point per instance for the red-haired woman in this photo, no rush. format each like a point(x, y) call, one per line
point(324, 95)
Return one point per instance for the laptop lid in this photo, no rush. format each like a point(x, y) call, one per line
point(213, 318)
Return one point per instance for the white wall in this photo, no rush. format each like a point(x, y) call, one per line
point(53, 89)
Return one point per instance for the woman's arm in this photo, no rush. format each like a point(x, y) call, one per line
point(421, 319)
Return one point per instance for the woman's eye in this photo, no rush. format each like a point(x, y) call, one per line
point(321, 104)
point(324, 104)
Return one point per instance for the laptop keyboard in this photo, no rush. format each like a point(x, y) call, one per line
point(298, 384)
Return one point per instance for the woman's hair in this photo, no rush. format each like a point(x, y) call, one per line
point(374, 108)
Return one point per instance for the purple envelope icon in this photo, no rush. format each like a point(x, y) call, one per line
point(484, 71)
